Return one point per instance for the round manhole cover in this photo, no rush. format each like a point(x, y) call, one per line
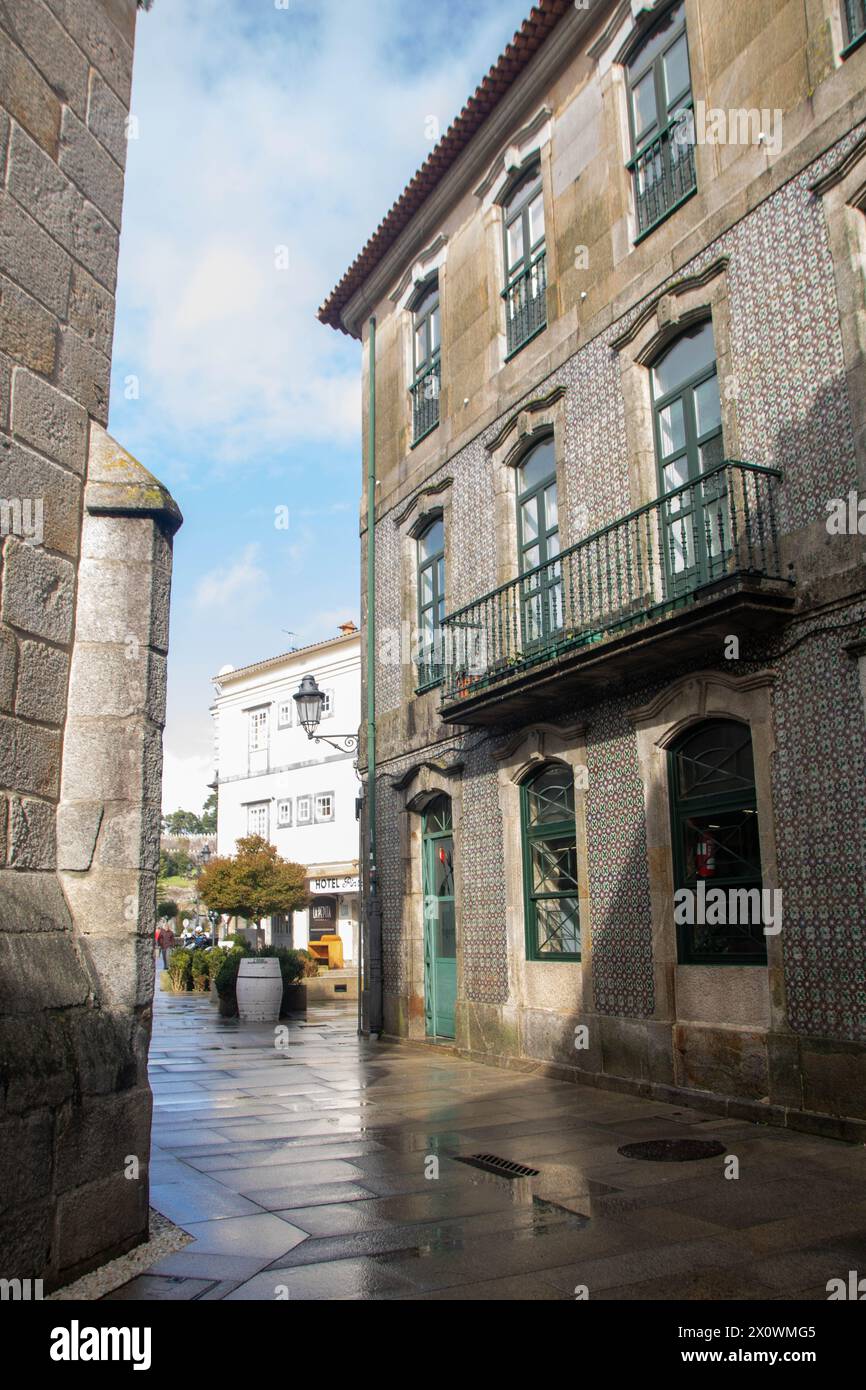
point(673, 1150)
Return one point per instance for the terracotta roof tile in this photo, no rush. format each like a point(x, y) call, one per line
point(501, 77)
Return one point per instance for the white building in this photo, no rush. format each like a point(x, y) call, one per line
point(299, 795)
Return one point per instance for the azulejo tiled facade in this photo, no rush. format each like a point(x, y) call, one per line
point(768, 250)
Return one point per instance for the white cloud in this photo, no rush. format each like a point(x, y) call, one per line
point(185, 781)
point(239, 585)
point(263, 127)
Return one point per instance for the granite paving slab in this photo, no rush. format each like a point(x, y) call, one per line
point(326, 1169)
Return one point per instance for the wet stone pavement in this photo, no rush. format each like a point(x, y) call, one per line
point(308, 1172)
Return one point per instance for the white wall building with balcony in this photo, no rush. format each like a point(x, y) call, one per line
point(300, 795)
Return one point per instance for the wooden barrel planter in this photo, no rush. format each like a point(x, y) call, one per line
point(259, 989)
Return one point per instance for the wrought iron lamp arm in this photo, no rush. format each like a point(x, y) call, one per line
point(344, 743)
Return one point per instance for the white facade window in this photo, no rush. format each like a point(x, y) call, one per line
point(284, 714)
point(284, 813)
point(327, 703)
point(258, 729)
point(257, 819)
point(304, 810)
point(325, 806)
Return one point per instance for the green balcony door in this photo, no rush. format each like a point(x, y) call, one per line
point(538, 540)
point(440, 936)
point(688, 442)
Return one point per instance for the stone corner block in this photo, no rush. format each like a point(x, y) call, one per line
point(43, 675)
point(38, 591)
point(77, 830)
point(118, 485)
point(53, 423)
point(32, 835)
point(32, 903)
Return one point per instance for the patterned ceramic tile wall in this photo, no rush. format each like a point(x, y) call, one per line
point(819, 795)
point(622, 969)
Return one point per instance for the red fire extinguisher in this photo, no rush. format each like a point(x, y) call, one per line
point(705, 856)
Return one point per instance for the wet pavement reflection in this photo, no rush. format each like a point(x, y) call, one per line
point(308, 1163)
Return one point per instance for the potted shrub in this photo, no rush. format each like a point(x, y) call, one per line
point(225, 980)
point(294, 966)
point(293, 970)
point(199, 971)
point(214, 957)
point(180, 970)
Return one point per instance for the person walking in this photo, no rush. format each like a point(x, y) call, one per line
point(168, 942)
point(164, 942)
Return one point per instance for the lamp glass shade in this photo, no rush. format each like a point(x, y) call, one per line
point(309, 699)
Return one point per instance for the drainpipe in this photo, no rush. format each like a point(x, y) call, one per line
point(373, 961)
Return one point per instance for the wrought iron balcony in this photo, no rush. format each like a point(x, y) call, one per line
point(664, 172)
point(425, 392)
point(429, 666)
point(664, 576)
point(526, 304)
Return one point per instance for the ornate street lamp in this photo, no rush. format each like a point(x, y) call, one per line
point(309, 700)
point(203, 858)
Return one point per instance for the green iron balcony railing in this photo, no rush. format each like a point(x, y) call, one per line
point(661, 557)
point(425, 391)
point(429, 665)
point(855, 18)
point(526, 304)
point(664, 172)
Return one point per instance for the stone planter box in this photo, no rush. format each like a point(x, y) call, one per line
point(334, 984)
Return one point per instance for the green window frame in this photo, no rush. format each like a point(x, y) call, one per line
point(525, 258)
point(430, 578)
point(538, 543)
point(687, 425)
point(715, 836)
point(427, 364)
point(550, 873)
point(855, 24)
point(658, 80)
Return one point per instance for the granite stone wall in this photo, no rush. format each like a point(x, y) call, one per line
point(85, 562)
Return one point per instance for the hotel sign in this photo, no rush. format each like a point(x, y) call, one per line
point(348, 883)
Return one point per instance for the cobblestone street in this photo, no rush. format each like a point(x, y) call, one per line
point(303, 1173)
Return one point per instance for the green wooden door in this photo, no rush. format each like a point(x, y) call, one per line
point(440, 937)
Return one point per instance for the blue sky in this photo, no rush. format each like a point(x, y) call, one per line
point(273, 135)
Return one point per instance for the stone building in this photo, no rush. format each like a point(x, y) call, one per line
point(84, 593)
point(616, 331)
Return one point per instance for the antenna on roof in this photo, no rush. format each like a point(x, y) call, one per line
point(289, 633)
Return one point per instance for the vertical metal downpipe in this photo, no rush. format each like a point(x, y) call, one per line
point(373, 956)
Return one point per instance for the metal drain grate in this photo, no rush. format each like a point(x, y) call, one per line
point(503, 1167)
point(673, 1150)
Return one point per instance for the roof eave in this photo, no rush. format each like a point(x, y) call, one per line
point(488, 96)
